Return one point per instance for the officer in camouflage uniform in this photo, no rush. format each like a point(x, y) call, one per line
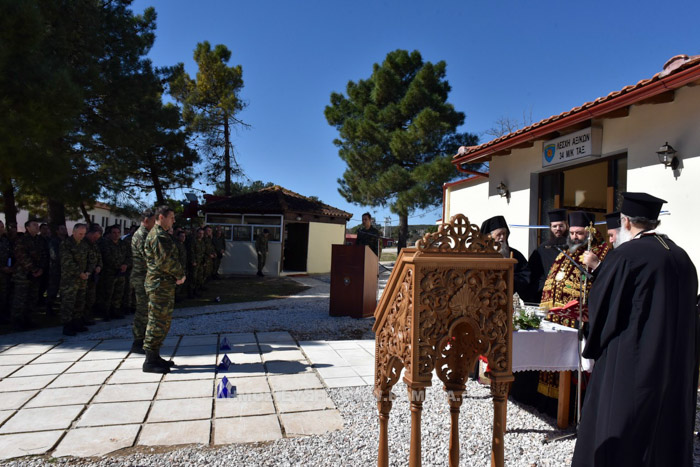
point(5, 274)
point(261, 250)
point(54, 275)
point(220, 248)
point(29, 256)
point(128, 299)
point(180, 239)
point(74, 253)
point(196, 258)
point(115, 260)
point(94, 268)
point(138, 277)
point(45, 235)
point(164, 273)
point(209, 253)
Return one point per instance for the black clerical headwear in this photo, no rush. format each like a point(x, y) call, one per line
point(581, 218)
point(557, 215)
point(496, 222)
point(641, 205)
point(613, 220)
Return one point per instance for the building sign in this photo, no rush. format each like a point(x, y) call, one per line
point(583, 143)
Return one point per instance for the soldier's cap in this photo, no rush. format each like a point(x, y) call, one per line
point(557, 215)
point(493, 223)
point(581, 218)
point(613, 220)
point(641, 205)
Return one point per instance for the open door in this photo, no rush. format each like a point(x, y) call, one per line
point(296, 246)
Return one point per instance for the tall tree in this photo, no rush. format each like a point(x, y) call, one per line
point(397, 135)
point(210, 104)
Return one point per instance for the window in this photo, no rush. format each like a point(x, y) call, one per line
point(241, 233)
point(262, 220)
point(224, 219)
point(245, 227)
point(274, 233)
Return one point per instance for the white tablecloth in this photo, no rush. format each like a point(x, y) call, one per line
point(552, 348)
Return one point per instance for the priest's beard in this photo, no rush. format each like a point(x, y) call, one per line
point(622, 237)
point(505, 249)
point(574, 244)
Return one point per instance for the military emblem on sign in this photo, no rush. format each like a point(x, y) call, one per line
point(549, 152)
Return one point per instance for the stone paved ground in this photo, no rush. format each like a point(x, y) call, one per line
point(91, 398)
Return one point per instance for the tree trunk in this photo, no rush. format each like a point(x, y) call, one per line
point(157, 185)
point(227, 158)
point(57, 214)
point(8, 195)
point(84, 211)
point(403, 232)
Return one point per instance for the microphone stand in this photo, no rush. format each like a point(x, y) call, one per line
point(582, 297)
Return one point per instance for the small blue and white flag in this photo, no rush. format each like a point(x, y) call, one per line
point(225, 345)
point(225, 390)
point(225, 363)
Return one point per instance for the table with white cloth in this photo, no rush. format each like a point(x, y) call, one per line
point(553, 347)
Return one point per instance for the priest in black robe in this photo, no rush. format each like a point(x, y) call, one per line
point(639, 408)
point(543, 257)
point(498, 229)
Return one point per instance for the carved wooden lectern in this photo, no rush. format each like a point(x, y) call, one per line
point(447, 301)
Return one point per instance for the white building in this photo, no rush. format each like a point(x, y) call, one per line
point(101, 214)
point(583, 158)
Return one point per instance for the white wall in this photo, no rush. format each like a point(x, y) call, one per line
point(321, 237)
point(240, 258)
point(98, 213)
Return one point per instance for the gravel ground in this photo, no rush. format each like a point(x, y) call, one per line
point(305, 316)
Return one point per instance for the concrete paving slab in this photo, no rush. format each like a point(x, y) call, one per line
point(303, 401)
point(7, 370)
point(343, 345)
point(114, 344)
point(241, 370)
point(190, 372)
point(197, 351)
point(100, 354)
point(63, 396)
point(175, 410)
point(247, 385)
point(246, 429)
point(126, 392)
point(277, 346)
point(27, 383)
point(311, 423)
point(295, 382)
point(314, 344)
point(116, 413)
point(241, 357)
point(174, 433)
point(20, 359)
point(196, 360)
point(131, 363)
point(288, 355)
point(94, 365)
point(15, 400)
point(328, 360)
point(42, 419)
point(53, 357)
point(287, 368)
point(26, 444)
point(369, 380)
point(79, 379)
point(344, 382)
point(244, 405)
point(336, 372)
point(239, 338)
point(97, 441)
point(29, 349)
point(133, 376)
point(74, 346)
point(209, 339)
point(364, 370)
point(38, 369)
point(185, 389)
point(280, 336)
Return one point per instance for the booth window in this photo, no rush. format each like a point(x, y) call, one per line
point(245, 227)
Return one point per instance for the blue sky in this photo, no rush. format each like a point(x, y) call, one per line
point(504, 58)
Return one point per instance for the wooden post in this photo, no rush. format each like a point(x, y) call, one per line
point(563, 402)
point(454, 395)
point(499, 392)
point(416, 396)
point(384, 405)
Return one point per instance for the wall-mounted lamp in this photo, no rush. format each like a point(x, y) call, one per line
point(502, 190)
point(667, 156)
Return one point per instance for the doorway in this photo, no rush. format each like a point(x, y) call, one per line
point(296, 246)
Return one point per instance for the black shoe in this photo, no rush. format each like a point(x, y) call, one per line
point(168, 363)
point(137, 347)
point(153, 363)
point(69, 330)
point(260, 274)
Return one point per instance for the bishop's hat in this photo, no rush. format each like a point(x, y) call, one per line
point(613, 220)
point(496, 222)
point(557, 215)
point(641, 205)
point(581, 218)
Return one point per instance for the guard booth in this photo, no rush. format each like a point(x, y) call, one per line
point(447, 301)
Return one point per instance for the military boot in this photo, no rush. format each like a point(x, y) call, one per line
point(168, 363)
point(153, 363)
point(69, 330)
point(79, 326)
point(137, 346)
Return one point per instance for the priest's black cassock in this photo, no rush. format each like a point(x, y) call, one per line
point(639, 408)
point(540, 262)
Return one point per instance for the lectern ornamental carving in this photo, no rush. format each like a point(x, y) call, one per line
point(447, 301)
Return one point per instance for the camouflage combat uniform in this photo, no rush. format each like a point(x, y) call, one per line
point(29, 256)
point(138, 276)
point(54, 272)
point(74, 261)
point(94, 261)
point(111, 278)
point(209, 251)
point(182, 257)
point(128, 299)
point(219, 247)
point(261, 250)
point(163, 270)
point(196, 272)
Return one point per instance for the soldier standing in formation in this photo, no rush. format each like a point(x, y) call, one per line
point(164, 273)
point(197, 264)
point(114, 259)
point(54, 276)
point(74, 254)
point(261, 250)
point(29, 256)
point(94, 268)
point(138, 277)
point(209, 253)
point(180, 243)
point(219, 248)
point(45, 235)
point(128, 298)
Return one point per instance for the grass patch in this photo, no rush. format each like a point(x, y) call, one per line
point(388, 257)
point(237, 289)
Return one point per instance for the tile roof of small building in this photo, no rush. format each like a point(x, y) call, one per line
point(273, 200)
point(678, 71)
